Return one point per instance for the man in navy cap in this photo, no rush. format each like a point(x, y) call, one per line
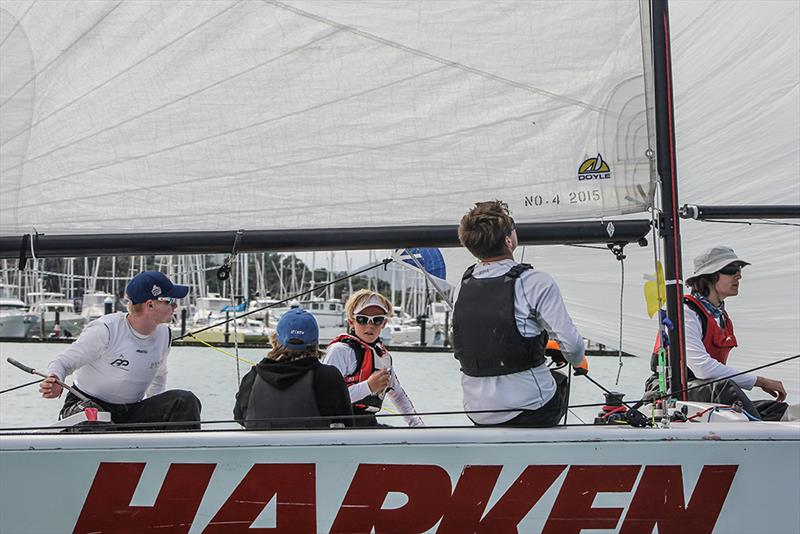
point(120, 360)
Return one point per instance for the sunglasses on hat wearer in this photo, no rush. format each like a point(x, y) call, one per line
point(374, 319)
point(168, 300)
point(731, 270)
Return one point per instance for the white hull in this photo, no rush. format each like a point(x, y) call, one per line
point(73, 324)
point(395, 335)
point(17, 325)
point(690, 478)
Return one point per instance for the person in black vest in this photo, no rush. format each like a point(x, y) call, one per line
point(710, 338)
point(291, 388)
point(504, 313)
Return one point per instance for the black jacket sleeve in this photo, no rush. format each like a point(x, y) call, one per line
point(331, 394)
point(243, 396)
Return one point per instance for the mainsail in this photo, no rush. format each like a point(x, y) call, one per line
point(197, 116)
point(737, 77)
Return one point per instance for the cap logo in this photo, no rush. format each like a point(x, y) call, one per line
point(156, 291)
point(298, 332)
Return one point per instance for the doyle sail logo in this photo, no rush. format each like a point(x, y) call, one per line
point(594, 169)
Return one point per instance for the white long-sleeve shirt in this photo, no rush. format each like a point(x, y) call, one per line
point(343, 357)
point(115, 363)
point(538, 306)
point(700, 361)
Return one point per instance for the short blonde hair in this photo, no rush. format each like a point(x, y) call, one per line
point(136, 309)
point(360, 297)
point(282, 353)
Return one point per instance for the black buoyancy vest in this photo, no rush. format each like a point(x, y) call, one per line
point(486, 339)
point(298, 400)
point(365, 366)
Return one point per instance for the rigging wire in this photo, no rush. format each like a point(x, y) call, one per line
point(6, 431)
point(765, 222)
point(290, 298)
point(210, 346)
point(656, 263)
point(20, 386)
point(595, 247)
point(621, 292)
point(235, 335)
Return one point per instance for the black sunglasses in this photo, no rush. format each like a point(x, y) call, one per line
point(513, 225)
point(732, 269)
point(375, 319)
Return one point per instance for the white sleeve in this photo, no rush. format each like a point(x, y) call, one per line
point(551, 314)
point(89, 346)
point(700, 361)
point(341, 356)
point(159, 383)
point(403, 403)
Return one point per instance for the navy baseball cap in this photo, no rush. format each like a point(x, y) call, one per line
point(297, 329)
point(150, 285)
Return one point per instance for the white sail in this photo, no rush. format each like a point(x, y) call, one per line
point(736, 70)
point(268, 115)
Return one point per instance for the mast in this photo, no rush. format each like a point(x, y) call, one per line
point(669, 223)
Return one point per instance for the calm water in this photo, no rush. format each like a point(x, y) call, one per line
point(432, 380)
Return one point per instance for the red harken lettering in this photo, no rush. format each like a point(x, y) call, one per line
point(657, 502)
point(293, 486)
point(107, 507)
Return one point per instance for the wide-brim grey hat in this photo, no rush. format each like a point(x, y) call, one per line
point(712, 260)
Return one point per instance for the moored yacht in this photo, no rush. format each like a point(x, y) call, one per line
point(94, 305)
point(48, 306)
point(15, 320)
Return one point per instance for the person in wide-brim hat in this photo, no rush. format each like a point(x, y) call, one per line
point(710, 338)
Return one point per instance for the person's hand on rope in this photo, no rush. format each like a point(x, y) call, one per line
point(773, 387)
point(582, 368)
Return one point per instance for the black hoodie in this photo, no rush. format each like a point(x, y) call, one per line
point(330, 390)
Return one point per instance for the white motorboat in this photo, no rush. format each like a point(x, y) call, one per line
point(15, 319)
point(54, 309)
point(93, 304)
point(214, 309)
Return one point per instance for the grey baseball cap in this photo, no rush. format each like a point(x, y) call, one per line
point(712, 260)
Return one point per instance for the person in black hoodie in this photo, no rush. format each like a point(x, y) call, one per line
point(291, 388)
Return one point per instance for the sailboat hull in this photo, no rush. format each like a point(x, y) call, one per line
point(692, 478)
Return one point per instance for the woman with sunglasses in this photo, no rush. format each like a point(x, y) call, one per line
point(365, 363)
point(710, 338)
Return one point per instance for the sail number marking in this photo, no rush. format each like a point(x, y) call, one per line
point(572, 197)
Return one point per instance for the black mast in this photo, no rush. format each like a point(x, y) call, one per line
point(669, 223)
